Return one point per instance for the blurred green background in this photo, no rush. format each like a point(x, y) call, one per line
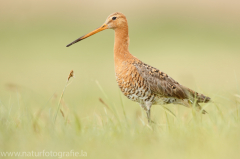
point(196, 42)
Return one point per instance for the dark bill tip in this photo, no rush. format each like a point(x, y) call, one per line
point(68, 45)
point(79, 39)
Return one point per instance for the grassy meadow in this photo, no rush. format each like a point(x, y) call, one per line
point(196, 43)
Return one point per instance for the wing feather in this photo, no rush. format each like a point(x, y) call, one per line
point(160, 83)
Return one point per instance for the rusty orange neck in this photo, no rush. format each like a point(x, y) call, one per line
point(121, 53)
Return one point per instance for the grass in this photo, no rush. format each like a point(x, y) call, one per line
point(112, 133)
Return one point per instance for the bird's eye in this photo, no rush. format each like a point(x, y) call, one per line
point(114, 18)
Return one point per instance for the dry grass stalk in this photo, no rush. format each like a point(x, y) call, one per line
point(71, 75)
point(66, 119)
point(60, 100)
point(100, 99)
point(62, 113)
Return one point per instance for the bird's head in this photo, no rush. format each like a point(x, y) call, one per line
point(113, 21)
point(116, 20)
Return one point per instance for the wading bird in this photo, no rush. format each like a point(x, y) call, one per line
point(141, 82)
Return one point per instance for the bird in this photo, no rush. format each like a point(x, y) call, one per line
point(139, 81)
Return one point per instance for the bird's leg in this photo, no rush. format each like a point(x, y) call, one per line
point(143, 106)
point(148, 106)
point(148, 116)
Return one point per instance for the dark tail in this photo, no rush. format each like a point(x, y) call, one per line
point(202, 98)
point(193, 96)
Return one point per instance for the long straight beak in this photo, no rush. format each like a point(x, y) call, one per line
point(103, 27)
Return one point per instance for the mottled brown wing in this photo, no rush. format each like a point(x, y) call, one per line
point(159, 82)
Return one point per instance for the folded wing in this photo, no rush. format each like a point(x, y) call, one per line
point(160, 83)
